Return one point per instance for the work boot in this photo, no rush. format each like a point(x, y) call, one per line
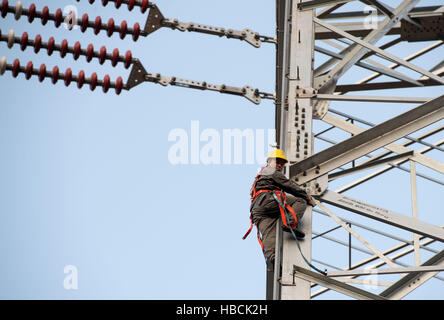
point(270, 264)
point(299, 234)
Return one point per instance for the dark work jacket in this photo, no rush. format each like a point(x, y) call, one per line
point(272, 179)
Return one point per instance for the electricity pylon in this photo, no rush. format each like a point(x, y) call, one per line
point(305, 90)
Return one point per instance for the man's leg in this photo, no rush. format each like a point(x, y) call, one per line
point(299, 205)
point(267, 228)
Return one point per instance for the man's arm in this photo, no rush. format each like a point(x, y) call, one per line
point(289, 186)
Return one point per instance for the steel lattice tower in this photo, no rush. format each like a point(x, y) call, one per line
point(348, 40)
point(304, 94)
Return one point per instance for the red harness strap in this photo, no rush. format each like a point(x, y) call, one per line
point(258, 234)
point(282, 198)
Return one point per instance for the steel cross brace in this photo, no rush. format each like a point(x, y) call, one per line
point(383, 215)
point(334, 284)
point(388, 11)
point(370, 164)
point(320, 3)
point(378, 51)
point(393, 147)
point(367, 141)
point(380, 263)
point(353, 54)
point(413, 280)
point(361, 272)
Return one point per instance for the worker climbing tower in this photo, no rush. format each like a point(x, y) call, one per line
point(319, 44)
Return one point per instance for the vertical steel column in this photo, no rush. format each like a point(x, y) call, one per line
point(414, 211)
point(283, 14)
point(297, 139)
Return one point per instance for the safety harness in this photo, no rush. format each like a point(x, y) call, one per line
point(281, 199)
point(284, 208)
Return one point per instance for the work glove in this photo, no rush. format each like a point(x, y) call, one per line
point(311, 201)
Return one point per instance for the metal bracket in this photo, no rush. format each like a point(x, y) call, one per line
point(323, 84)
point(305, 92)
point(137, 75)
point(433, 29)
point(154, 20)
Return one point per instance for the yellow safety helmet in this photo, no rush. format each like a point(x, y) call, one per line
point(278, 153)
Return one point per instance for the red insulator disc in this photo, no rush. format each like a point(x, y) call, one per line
point(136, 32)
point(80, 79)
point(91, 1)
point(16, 68)
point(110, 29)
point(102, 55)
point(24, 41)
point(93, 82)
point(85, 20)
point(106, 83)
point(119, 85)
point(58, 18)
point(104, 2)
point(4, 8)
point(123, 29)
point(118, 3)
point(37, 43)
point(64, 48)
point(55, 75)
point(89, 52)
point(128, 59)
point(77, 49)
point(51, 44)
point(31, 13)
point(144, 6)
point(45, 15)
point(131, 4)
point(42, 72)
point(97, 25)
point(115, 58)
point(68, 77)
point(28, 72)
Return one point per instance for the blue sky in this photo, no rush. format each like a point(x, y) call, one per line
point(86, 179)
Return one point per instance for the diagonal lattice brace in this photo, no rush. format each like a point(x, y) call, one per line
point(383, 215)
point(368, 141)
point(413, 280)
point(334, 284)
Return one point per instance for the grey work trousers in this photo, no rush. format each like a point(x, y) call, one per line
point(266, 222)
